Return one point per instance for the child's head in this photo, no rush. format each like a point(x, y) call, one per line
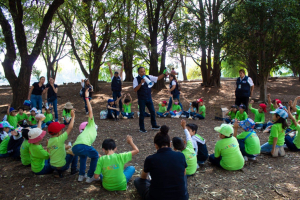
point(127, 101)
point(33, 111)
point(194, 104)
point(242, 108)
point(172, 77)
point(35, 135)
point(192, 128)
point(200, 102)
point(83, 125)
point(12, 111)
point(178, 143)
point(225, 130)
point(21, 110)
point(25, 132)
point(55, 128)
point(111, 102)
point(6, 126)
point(280, 116)
point(234, 108)
point(164, 103)
point(262, 108)
point(48, 110)
point(68, 107)
point(109, 145)
point(247, 125)
point(176, 102)
point(277, 101)
point(162, 138)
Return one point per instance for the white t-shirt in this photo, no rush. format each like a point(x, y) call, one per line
point(152, 78)
point(173, 82)
point(250, 81)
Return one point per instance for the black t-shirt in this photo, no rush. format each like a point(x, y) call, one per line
point(37, 90)
point(51, 91)
point(168, 181)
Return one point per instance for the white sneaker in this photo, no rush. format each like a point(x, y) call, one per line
point(183, 116)
point(158, 116)
point(281, 151)
point(177, 116)
point(172, 116)
point(253, 159)
point(190, 117)
point(81, 177)
point(245, 158)
point(87, 113)
point(113, 115)
point(276, 152)
point(89, 180)
point(124, 117)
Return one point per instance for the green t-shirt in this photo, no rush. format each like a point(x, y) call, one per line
point(88, 135)
point(241, 117)
point(49, 117)
point(176, 107)
point(232, 158)
point(65, 114)
point(112, 169)
point(127, 108)
point(22, 117)
point(292, 126)
point(190, 157)
point(258, 117)
point(4, 144)
point(232, 114)
point(162, 109)
point(32, 120)
point(277, 131)
point(252, 143)
point(12, 120)
point(202, 109)
point(37, 156)
point(56, 147)
point(272, 107)
point(24, 150)
point(297, 137)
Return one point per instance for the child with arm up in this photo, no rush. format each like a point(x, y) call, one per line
point(127, 102)
point(259, 114)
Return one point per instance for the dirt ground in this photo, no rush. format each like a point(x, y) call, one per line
point(268, 178)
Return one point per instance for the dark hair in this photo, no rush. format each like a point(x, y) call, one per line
point(126, 100)
point(22, 108)
point(282, 121)
point(178, 143)
point(162, 138)
point(140, 68)
point(234, 106)
point(195, 105)
point(25, 133)
point(193, 127)
point(242, 70)
point(42, 77)
point(67, 110)
point(109, 144)
point(173, 76)
point(228, 136)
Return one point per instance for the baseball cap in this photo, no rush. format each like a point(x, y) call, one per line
point(33, 109)
point(110, 100)
point(224, 129)
point(248, 124)
point(234, 106)
point(11, 109)
point(263, 106)
point(164, 102)
point(36, 135)
point(116, 72)
point(282, 113)
point(83, 125)
point(199, 100)
point(278, 101)
point(242, 106)
point(5, 124)
point(55, 127)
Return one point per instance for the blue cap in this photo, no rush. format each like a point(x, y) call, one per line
point(282, 113)
point(110, 100)
point(11, 109)
point(248, 124)
point(5, 124)
point(243, 106)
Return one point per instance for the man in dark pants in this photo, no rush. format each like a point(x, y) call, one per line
point(144, 97)
point(116, 84)
point(244, 89)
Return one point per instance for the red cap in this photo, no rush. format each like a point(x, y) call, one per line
point(164, 102)
point(199, 100)
point(55, 127)
point(277, 101)
point(263, 106)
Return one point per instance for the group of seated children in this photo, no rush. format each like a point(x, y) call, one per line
point(113, 110)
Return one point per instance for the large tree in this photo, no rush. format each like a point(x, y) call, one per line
point(15, 32)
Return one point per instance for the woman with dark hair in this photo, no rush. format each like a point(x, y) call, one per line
point(51, 95)
point(167, 169)
point(174, 90)
point(85, 84)
point(35, 93)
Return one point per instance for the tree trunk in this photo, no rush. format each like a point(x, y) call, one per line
point(127, 60)
point(252, 68)
point(183, 66)
point(203, 66)
point(263, 88)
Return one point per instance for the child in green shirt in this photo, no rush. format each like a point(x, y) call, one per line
point(4, 138)
point(22, 117)
point(49, 117)
point(127, 102)
point(241, 115)
point(67, 113)
point(277, 135)
point(227, 152)
point(110, 167)
point(12, 117)
point(59, 160)
point(176, 108)
point(248, 140)
point(292, 141)
point(162, 109)
point(32, 121)
point(231, 114)
point(201, 110)
point(187, 150)
point(24, 150)
point(259, 114)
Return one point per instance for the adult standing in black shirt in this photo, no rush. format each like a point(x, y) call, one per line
point(35, 93)
point(244, 89)
point(51, 96)
point(167, 170)
point(116, 84)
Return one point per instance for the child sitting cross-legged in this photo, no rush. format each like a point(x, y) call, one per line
point(176, 108)
point(241, 115)
point(49, 116)
point(292, 141)
point(259, 114)
point(59, 160)
point(192, 110)
point(15, 142)
point(231, 114)
point(22, 117)
point(198, 143)
point(227, 152)
point(162, 109)
point(12, 117)
point(187, 150)
point(112, 109)
point(127, 102)
point(32, 121)
point(201, 110)
point(24, 150)
point(248, 140)
point(5, 128)
point(110, 167)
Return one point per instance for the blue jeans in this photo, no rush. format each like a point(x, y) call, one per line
point(128, 172)
point(162, 115)
point(109, 113)
point(267, 125)
point(84, 151)
point(228, 120)
point(290, 143)
point(54, 104)
point(188, 114)
point(267, 148)
point(129, 115)
point(69, 159)
point(170, 101)
point(242, 148)
point(117, 94)
point(173, 113)
point(36, 100)
point(4, 155)
point(66, 123)
point(142, 104)
point(214, 160)
point(47, 168)
point(199, 116)
point(85, 105)
point(259, 125)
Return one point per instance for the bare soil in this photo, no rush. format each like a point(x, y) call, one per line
point(268, 178)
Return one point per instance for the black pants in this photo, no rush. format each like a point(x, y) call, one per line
point(242, 100)
point(142, 186)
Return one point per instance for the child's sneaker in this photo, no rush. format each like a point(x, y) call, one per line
point(165, 115)
point(252, 158)
point(281, 151)
point(172, 116)
point(158, 116)
point(245, 158)
point(89, 180)
point(113, 115)
point(143, 131)
point(81, 177)
point(195, 118)
point(276, 152)
point(190, 117)
point(183, 116)
point(124, 117)
point(177, 116)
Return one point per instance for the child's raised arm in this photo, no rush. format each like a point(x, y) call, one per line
point(186, 132)
point(291, 116)
point(70, 127)
point(130, 98)
point(235, 127)
point(295, 103)
point(123, 99)
point(118, 99)
point(135, 150)
point(8, 107)
point(88, 104)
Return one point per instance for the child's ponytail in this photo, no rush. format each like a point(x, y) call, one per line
point(282, 121)
point(162, 138)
